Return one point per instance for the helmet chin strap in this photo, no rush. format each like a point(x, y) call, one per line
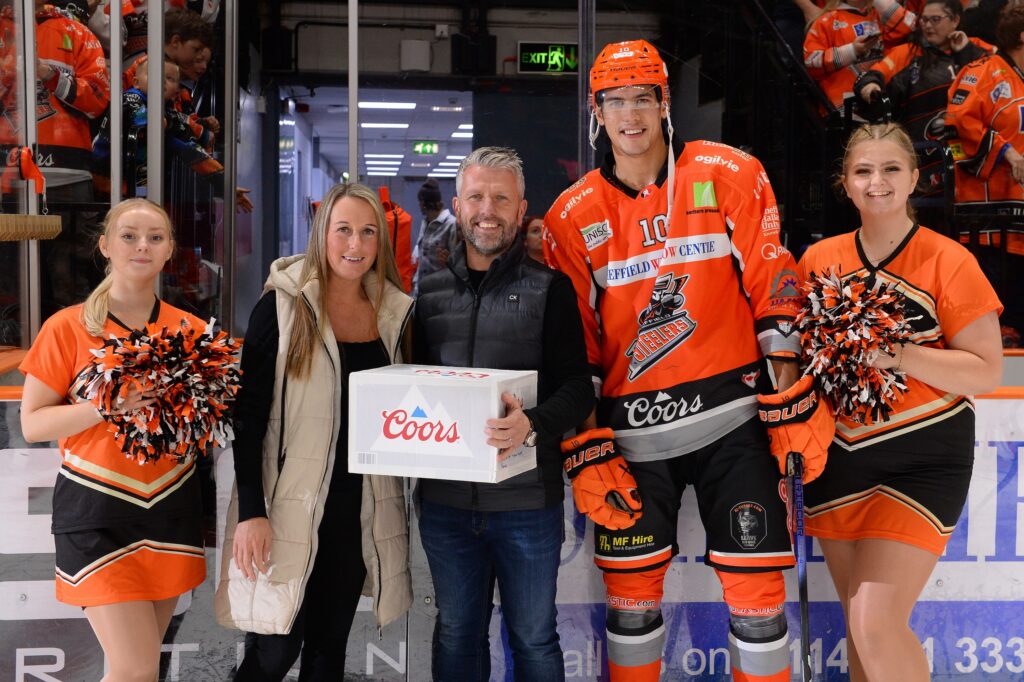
point(671, 168)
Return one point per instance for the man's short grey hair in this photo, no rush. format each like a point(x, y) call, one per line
point(493, 157)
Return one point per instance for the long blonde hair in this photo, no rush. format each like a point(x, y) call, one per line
point(97, 305)
point(305, 335)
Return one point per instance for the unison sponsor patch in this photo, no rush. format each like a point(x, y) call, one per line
point(595, 235)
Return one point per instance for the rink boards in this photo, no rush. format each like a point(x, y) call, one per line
point(970, 619)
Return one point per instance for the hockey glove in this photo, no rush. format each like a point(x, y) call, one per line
point(602, 486)
point(798, 421)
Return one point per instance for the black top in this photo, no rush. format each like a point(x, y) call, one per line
point(518, 315)
point(251, 410)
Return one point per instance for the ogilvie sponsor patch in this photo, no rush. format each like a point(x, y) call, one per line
point(748, 524)
point(664, 324)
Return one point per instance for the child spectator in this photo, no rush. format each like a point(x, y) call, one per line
point(180, 141)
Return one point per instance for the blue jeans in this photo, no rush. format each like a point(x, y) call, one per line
point(468, 550)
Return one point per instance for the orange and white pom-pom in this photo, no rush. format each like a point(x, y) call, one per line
point(844, 325)
point(192, 375)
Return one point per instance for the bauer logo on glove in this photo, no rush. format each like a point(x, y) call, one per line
point(602, 485)
point(798, 421)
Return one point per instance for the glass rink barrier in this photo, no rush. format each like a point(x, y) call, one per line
point(969, 618)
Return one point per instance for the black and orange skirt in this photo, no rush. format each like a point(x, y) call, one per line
point(909, 489)
point(148, 561)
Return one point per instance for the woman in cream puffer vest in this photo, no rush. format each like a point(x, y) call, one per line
point(342, 298)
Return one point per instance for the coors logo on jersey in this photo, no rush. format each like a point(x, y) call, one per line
point(663, 324)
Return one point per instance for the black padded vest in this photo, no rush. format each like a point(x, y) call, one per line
point(501, 326)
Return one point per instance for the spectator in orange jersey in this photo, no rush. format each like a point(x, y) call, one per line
point(916, 76)
point(892, 491)
point(72, 88)
point(848, 38)
point(128, 537)
point(984, 120)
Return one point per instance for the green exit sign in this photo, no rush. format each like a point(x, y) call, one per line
point(425, 147)
point(548, 58)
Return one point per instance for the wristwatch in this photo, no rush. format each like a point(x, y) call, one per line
point(531, 436)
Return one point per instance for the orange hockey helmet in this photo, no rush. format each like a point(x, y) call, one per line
point(633, 62)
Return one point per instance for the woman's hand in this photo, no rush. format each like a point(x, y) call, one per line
point(870, 92)
point(865, 43)
point(252, 546)
point(958, 40)
point(1016, 161)
point(134, 400)
point(885, 361)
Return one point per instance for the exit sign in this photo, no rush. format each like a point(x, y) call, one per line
point(425, 147)
point(548, 58)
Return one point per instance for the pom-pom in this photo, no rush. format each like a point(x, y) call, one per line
point(844, 326)
point(192, 375)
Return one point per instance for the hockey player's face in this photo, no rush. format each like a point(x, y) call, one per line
point(632, 118)
point(879, 177)
point(489, 209)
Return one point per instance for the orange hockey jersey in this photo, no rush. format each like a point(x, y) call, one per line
point(78, 91)
point(400, 226)
point(828, 47)
point(678, 311)
point(946, 291)
point(985, 117)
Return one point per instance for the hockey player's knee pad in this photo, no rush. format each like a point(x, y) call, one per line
point(753, 594)
point(636, 630)
point(758, 642)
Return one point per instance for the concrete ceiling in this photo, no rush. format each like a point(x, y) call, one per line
point(434, 118)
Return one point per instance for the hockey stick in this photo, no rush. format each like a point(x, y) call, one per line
point(795, 483)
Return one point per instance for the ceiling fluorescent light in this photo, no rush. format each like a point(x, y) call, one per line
point(447, 110)
point(436, 174)
point(384, 125)
point(376, 162)
point(383, 156)
point(387, 105)
point(465, 126)
point(454, 164)
point(455, 157)
point(390, 174)
point(459, 134)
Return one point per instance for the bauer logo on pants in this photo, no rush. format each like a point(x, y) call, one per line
point(748, 524)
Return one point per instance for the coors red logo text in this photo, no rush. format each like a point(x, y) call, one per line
point(397, 424)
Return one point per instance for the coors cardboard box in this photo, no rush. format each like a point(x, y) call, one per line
point(428, 422)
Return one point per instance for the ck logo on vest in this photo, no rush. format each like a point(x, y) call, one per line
point(416, 425)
